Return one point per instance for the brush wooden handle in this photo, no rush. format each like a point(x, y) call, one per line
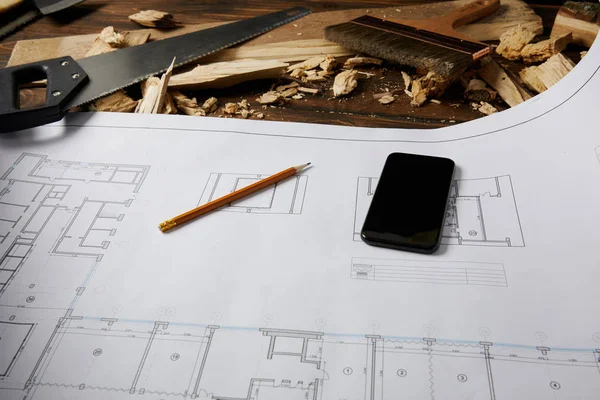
point(6, 5)
point(446, 24)
point(469, 13)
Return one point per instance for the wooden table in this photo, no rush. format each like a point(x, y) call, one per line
point(358, 110)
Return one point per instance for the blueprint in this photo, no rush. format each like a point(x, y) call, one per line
point(272, 297)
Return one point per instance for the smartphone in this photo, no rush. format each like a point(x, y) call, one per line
point(409, 204)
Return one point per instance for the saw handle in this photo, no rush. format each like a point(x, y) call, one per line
point(65, 77)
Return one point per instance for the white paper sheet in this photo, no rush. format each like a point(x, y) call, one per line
point(274, 297)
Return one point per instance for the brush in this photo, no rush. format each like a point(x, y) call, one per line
point(431, 44)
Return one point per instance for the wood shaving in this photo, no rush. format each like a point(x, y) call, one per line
point(260, 115)
point(583, 54)
point(387, 99)
point(298, 96)
point(269, 97)
point(407, 80)
point(356, 61)
point(154, 19)
point(244, 113)
point(486, 108)
point(408, 93)
point(311, 63)
point(513, 41)
point(434, 101)
point(425, 87)
point(329, 64)
point(186, 105)
point(344, 83)
point(545, 49)
point(115, 102)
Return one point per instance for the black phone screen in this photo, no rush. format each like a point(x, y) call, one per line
point(409, 204)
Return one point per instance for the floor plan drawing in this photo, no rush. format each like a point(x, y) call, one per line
point(160, 359)
point(481, 212)
point(441, 272)
point(285, 197)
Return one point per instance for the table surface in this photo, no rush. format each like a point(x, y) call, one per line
point(360, 109)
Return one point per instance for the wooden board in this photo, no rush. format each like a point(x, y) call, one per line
point(581, 19)
point(510, 14)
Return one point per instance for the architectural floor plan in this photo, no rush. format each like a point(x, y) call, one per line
point(61, 217)
point(477, 214)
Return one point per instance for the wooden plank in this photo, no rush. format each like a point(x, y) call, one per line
point(510, 14)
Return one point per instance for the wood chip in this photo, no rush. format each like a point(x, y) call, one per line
point(269, 97)
point(545, 49)
point(427, 86)
point(162, 89)
point(298, 73)
point(583, 54)
point(495, 76)
point(282, 88)
point(435, 101)
point(150, 93)
point(308, 90)
point(407, 80)
point(154, 19)
point(329, 64)
point(387, 99)
point(230, 108)
point(486, 108)
point(244, 105)
point(541, 78)
point(244, 113)
point(513, 41)
point(260, 115)
point(226, 74)
point(408, 93)
point(169, 105)
point(115, 102)
point(356, 61)
point(110, 40)
point(298, 96)
point(311, 63)
point(344, 83)
point(186, 105)
point(210, 105)
point(289, 92)
point(477, 90)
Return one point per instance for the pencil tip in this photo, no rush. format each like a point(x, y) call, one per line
point(307, 164)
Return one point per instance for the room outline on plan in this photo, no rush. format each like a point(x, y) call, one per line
point(286, 197)
point(480, 212)
point(60, 222)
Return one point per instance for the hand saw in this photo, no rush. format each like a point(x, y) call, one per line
point(72, 83)
point(28, 10)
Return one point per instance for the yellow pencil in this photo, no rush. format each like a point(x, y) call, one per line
point(230, 198)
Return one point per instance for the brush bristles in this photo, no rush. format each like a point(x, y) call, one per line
point(401, 49)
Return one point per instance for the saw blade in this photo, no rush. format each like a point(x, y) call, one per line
point(112, 71)
point(18, 22)
point(50, 6)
